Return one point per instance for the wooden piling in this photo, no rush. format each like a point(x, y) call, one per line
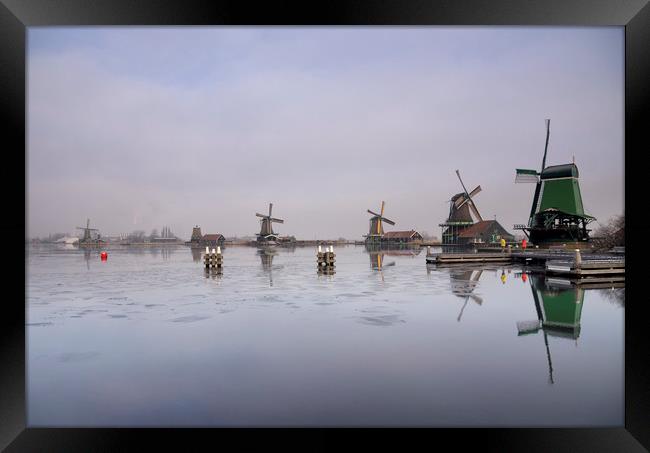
point(325, 260)
point(213, 259)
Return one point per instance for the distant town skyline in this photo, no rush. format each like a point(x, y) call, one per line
point(138, 128)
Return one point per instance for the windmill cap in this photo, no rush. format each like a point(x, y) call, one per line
point(560, 171)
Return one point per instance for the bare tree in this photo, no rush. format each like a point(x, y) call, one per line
point(611, 234)
point(136, 236)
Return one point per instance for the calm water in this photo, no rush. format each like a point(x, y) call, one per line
point(147, 338)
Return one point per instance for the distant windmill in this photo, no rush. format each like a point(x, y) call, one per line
point(463, 199)
point(87, 236)
point(266, 232)
point(376, 230)
point(461, 208)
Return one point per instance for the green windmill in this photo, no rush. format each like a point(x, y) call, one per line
point(557, 213)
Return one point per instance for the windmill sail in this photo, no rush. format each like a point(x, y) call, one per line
point(526, 176)
point(474, 210)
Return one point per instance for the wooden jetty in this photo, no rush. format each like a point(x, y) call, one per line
point(504, 256)
point(598, 268)
point(440, 258)
point(586, 268)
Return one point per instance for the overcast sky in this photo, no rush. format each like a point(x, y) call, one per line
point(137, 128)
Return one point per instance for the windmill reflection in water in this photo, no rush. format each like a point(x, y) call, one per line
point(558, 303)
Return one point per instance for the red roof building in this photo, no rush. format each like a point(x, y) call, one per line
point(402, 236)
point(484, 231)
point(213, 239)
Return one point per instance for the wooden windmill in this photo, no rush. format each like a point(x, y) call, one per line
point(87, 238)
point(557, 214)
point(376, 230)
point(266, 233)
point(461, 209)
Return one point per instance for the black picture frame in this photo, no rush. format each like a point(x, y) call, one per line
point(16, 15)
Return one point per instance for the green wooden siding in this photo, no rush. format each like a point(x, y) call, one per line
point(562, 194)
point(563, 308)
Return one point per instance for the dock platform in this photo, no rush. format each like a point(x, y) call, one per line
point(440, 258)
point(599, 267)
point(587, 268)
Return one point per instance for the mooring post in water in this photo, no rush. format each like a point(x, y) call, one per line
point(325, 260)
point(214, 258)
point(578, 259)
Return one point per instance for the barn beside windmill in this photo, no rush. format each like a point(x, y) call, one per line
point(213, 240)
point(399, 237)
point(202, 240)
point(485, 231)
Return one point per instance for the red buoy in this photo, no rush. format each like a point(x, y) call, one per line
point(524, 244)
point(104, 256)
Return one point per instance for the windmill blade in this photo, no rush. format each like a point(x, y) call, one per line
point(468, 196)
point(276, 220)
point(461, 181)
point(261, 215)
point(374, 213)
point(462, 309)
point(477, 299)
point(548, 131)
point(526, 327)
point(524, 175)
point(390, 222)
point(270, 208)
point(476, 190)
point(472, 207)
point(382, 208)
point(461, 201)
